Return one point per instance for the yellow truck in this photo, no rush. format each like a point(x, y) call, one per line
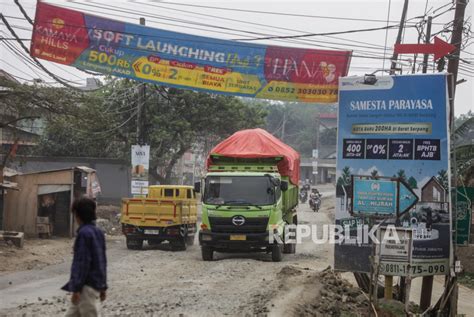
point(169, 213)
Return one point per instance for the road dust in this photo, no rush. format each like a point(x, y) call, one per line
point(159, 282)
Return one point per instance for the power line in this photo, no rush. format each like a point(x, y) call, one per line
point(120, 10)
point(135, 12)
point(276, 13)
point(248, 22)
point(26, 59)
point(329, 53)
point(23, 11)
point(31, 22)
point(63, 82)
point(372, 56)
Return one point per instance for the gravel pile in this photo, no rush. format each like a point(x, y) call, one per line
point(336, 297)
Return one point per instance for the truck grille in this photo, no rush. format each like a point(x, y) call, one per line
point(251, 225)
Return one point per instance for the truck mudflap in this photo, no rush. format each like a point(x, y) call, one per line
point(234, 241)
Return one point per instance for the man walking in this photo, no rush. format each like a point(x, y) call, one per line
point(88, 282)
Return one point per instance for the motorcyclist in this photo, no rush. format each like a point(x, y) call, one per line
point(314, 193)
point(315, 199)
point(306, 186)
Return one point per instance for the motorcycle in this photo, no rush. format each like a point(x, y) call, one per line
point(315, 201)
point(303, 196)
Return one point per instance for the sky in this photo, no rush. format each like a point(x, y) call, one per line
point(231, 20)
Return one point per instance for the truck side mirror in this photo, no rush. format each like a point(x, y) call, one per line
point(197, 187)
point(284, 186)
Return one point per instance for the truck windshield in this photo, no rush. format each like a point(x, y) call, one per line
point(239, 190)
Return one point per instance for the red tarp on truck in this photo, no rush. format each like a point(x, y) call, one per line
point(258, 143)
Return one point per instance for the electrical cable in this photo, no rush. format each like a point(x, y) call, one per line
point(23, 11)
point(27, 59)
point(373, 55)
point(274, 13)
point(386, 33)
point(32, 23)
point(242, 21)
point(113, 8)
point(219, 27)
point(353, 54)
point(61, 81)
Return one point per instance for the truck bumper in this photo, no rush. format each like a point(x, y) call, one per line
point(225, 241)
point(154, 233)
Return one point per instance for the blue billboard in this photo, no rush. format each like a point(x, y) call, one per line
point(396, 128)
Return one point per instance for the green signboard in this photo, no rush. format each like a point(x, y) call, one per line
point(464, 200)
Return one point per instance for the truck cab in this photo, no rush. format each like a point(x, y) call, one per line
point(246, 207)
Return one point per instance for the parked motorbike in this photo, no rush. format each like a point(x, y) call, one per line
point(303, 196)
point(315, 201)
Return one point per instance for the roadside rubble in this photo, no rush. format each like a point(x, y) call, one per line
point(35, 254)
point(335, 297)
point(108, 219)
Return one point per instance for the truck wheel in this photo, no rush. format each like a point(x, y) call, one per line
point(190, 240)
point(134, 244)
point(207, 253)
point(276, 253)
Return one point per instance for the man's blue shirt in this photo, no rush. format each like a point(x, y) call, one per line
point(89, 266)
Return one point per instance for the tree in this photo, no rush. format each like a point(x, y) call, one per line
point(374, 173)
point(401, 174)
point(296, 123)
point(345, 178)
point(175, 121)
point(21, 105)
point(412, 183)
point(442, 177)
point(459, 120)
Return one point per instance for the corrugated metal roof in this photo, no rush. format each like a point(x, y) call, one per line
point(9, 185)
point(80, 168)
point(9, 172)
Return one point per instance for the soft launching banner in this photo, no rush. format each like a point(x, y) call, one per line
point(186, 61)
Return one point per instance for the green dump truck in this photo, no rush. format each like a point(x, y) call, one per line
point(249, 195)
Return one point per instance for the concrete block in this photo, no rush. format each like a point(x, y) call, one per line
point(17, 238)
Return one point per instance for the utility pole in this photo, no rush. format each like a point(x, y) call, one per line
point(399, 37)
point(453, 66)
point(283, 126)
point(427, 283)
point(427, 41)
point(456, 40)
point(141, 108)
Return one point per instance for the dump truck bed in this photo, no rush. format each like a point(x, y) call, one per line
point(149, 212)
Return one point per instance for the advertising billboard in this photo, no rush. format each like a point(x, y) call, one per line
point(186, 61)
point(395, 129)
point(140, 168)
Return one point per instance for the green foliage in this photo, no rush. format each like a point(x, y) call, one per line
point(467, 279)
point(374, 173)
point(345, 178)
point(175, 121)
point(412, 183)
point(458, 121)
point(443, 179)
point(401, 174)
point(296, 124)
